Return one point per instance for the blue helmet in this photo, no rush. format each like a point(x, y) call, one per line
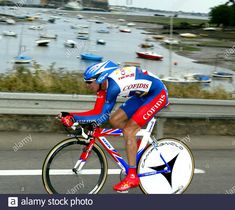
point(100, 71)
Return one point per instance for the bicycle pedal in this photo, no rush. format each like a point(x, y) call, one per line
point(126, 191)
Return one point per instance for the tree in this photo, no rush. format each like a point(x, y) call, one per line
point(230, 1)
point(221, 14)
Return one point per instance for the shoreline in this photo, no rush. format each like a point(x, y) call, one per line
point(214, 55)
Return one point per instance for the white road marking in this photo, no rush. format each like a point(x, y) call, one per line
point(199, 171)
point(38, 172)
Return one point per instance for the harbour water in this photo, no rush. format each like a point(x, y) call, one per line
point(120, 47)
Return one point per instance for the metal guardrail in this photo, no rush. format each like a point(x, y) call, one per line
point(52, 104)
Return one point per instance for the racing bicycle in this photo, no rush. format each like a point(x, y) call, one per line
point(78, 165)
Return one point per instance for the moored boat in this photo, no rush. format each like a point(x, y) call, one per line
point(70, 43)
point(22, 59)
point(48, 36)
point(100, 42)
point(200, 78)
point(43, 42)
point(149, 55)
point(222, 75)
point(188, 35)
point(125, 30)
point(146, 45)
point(90, 56)
point(83, 37)
point(9, 33)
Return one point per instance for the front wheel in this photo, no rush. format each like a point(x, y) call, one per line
point(180, 160)
point(57, 172)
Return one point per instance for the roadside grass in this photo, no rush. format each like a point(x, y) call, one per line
point(57, 81)
point(195, 91)
point(42, 81)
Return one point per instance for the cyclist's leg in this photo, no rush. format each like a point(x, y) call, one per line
point(153, 104)
point(120, 117)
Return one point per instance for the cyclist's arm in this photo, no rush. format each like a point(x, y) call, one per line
point(104, 111)
point(100, 101)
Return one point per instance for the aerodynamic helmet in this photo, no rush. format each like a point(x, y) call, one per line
point(100, 71)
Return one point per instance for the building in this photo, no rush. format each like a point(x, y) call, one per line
point(89, 4)
point(96, 4)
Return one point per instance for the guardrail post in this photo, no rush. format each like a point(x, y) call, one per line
point(160, 127)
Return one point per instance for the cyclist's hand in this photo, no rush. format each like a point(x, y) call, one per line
point(68, 120)
point(63, 114)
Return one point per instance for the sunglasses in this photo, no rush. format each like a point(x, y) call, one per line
point(89, 81)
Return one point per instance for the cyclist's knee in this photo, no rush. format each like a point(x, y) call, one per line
point(114, 122)
point(117, 122)
point(129, 133)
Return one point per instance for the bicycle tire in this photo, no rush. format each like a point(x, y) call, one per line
point(67, 184)
point(166, 183)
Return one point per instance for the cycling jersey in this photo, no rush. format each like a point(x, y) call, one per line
point(143, 87)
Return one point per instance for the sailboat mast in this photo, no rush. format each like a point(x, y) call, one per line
point(170, 48)
point(21, 38)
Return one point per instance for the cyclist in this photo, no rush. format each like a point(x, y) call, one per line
point(148, 95)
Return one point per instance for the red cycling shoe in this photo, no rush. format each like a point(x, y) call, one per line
point(130, 181)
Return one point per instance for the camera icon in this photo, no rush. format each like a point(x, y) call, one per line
point(12, 201)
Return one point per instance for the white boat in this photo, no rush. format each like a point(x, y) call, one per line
point(83, 32)
point(10, 21)
point(103, 31)
point(131, 24)
point(222, 75)
point(188, 35)
point(36, 27)
point(212, 29)
point(83, 37)
point(73, 6)
point(121, 20)
point(67, 20)
point(79, 17)
point(146, 45)
point(48, 36)
point(75, 26)
point(125, 30)
point(43, 42)
point(178, 80)
point(100, 42)
point(200, 78)
point(9, 33)
point(70, 43)
point(158, 36)
point(171, 41)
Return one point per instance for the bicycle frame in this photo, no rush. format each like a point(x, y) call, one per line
point(100, 134)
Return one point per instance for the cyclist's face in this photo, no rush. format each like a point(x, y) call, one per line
point(93, 85)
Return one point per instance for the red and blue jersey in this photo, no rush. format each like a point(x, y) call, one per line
point(126, 82)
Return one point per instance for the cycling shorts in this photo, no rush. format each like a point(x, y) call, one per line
point(143, 109)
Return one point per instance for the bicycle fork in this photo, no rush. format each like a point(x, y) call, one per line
point(83, 157)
